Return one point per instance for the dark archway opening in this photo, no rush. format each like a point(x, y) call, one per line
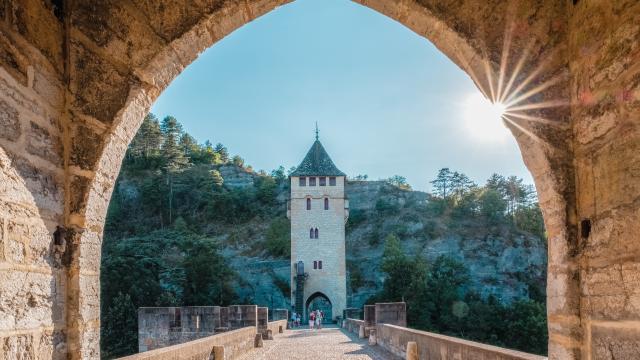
point(320, 301)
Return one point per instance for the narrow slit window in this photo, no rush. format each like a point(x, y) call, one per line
point(303, 181)
point(332, 181)
point(308, 204)
point(323, 181)
point(320, 264)
point(316, 233)
point(326, 203)
point(311, 233)
point(315, 264)
point(312, 181)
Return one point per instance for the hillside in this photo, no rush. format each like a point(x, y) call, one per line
point(190, 225)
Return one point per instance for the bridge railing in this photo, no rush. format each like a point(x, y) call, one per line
point(395, 339)
point(226, 345)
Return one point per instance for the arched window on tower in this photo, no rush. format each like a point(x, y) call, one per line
point(316, 233)
point(308, 204)
point(326, 203)
point(311, 233)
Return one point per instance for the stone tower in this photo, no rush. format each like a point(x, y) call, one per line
point(318, 211)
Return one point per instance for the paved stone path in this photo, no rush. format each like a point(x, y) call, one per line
point(328, 343)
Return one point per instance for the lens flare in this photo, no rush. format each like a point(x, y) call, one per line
point(483, 119)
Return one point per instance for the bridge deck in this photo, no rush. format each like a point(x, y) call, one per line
point(328, 343)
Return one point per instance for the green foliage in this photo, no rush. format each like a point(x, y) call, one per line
point(222, 152)
point(266, 189)
point(278, 239)
point(207, 277)
point(216, 178)
point(238, 161)
point(356, 278)
point(436, 301)
point(356, 217)
point(492, 206)
point(119, 335)
point(501, 201)
point(399, 181)
point(386, 207)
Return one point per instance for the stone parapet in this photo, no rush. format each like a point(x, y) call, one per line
point(435, 346)
point(242, 316)
point(391, 313)
point(234, 342)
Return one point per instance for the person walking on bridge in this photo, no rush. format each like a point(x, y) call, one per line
point(312, 320)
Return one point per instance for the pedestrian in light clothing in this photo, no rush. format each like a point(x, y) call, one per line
point(318, 319)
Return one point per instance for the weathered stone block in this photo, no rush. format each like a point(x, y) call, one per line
point(42, 143)
point(612, 292)
point(99, 87)
point(29, 297)
point(613, 342)
point(85, 146)
point(79, 188)
point(9, 122)
point(118, 29)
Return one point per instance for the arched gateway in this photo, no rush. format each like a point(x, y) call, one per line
point(320, 301)
point(77, 78)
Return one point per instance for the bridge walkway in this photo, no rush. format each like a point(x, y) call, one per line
point(328, 343)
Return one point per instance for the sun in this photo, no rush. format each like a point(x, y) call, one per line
point(483, 120)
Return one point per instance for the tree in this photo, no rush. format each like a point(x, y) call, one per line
point(119, 328)
point(442, 183)
point(148, 139)
point(399, 181)
point(460, 185)
point(217, 178)
point(266, 189)
point(278, 238)
point(189, 146)
point(278, 174)
point(396, 267)
point(238, 161)
point(492, 206)
point(172, 154)
point(222, 151)
point(207, 275)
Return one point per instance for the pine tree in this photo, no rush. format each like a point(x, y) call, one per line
point(172, 154)
point(148, 139)
point(442, 183)
point(223, 152)
point(189, 146)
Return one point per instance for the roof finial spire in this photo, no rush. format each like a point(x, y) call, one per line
point(317, 132)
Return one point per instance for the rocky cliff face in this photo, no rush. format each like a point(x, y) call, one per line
point(502, 261)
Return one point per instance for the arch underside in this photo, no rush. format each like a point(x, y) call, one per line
point(76, 83)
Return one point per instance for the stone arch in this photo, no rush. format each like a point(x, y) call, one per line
point(547, 157)
point(546, 148)
point(80, 78)
point(328, 310)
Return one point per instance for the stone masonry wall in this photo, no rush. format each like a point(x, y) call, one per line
point(33, 277)
point(605, 90)
point(164, 326)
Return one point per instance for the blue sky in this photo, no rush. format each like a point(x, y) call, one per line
point(386, 100)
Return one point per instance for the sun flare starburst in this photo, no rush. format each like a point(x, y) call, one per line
point(512, 99)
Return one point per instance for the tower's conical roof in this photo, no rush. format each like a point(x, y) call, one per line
point(317, 163)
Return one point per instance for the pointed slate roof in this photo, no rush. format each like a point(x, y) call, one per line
point(317, 163)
